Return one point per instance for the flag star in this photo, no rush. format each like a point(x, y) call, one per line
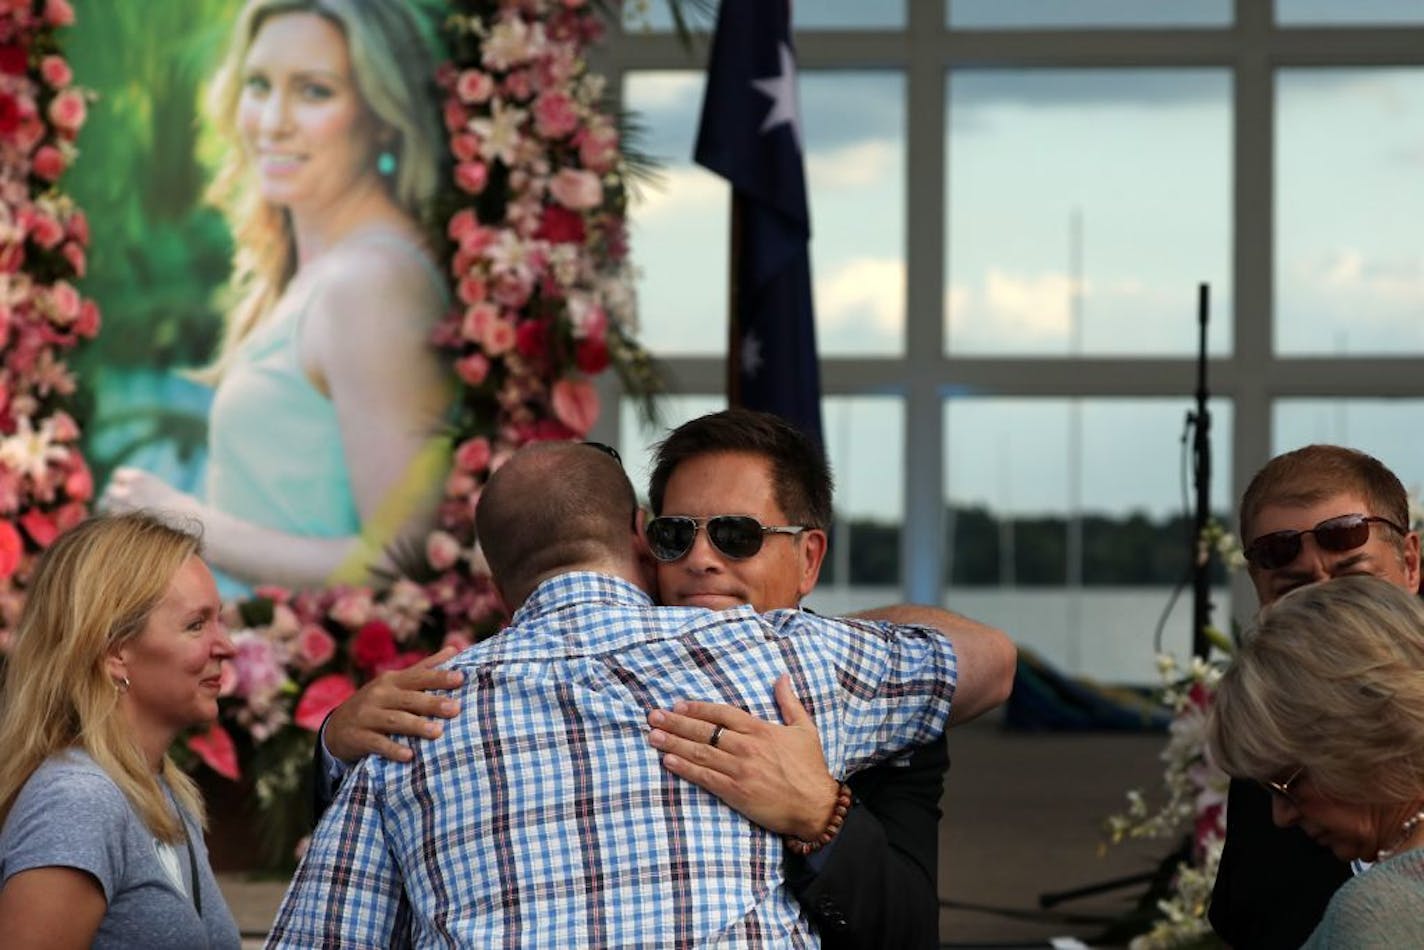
point(751, 354)
point(782, 90)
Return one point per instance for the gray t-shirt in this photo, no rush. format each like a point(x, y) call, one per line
point(71, 814)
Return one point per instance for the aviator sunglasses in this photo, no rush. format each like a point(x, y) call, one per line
point(737, 536)
point(1341, 533)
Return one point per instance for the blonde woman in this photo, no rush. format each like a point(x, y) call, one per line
point(322, 447)
point(120, 649)
point(1324, 707)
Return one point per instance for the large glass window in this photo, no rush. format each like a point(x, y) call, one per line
point(1084, 208)
point(655, 16)
point(1034, 14)
point(855, 174)
point(1382, 427)
point(1352, 12)
point(1069, 524)
point(1349, 271)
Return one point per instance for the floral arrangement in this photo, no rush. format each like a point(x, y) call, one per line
point(543, 302)
point(44, 481)
point(1195, 787)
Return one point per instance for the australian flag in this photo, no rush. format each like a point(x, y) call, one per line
point(751, 135)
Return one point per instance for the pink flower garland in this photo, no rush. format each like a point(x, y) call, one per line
point(44, 481)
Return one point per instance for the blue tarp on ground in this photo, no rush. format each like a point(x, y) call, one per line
point(1046, 700)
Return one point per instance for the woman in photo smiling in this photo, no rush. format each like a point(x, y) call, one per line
point(119, 650)
point(1324, 706)
point(323, 447)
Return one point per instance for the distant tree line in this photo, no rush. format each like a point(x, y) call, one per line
point(983, 549)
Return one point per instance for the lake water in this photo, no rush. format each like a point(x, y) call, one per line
point(1103, 633)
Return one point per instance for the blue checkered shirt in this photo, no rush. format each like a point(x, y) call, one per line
point(543, 818)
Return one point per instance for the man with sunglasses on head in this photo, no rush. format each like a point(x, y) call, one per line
point(1319, 512)
point(541, 817)
point(741, 503)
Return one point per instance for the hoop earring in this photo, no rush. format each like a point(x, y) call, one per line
point(386, 163)
point(123, 684)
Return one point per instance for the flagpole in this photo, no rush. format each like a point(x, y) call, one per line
point(734, 322)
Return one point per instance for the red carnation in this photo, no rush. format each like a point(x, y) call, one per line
point(373, 646)
point(559, 225)
point(9, 114)
point(531, 339)
point(14, 59)
point(591, 355)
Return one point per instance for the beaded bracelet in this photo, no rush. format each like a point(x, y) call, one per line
point(833, 825)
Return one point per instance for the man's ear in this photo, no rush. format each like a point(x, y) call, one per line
point(1411, 560)
point(813, 554)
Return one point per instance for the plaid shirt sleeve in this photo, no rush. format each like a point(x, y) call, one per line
point(893, 683)
point(347, 892)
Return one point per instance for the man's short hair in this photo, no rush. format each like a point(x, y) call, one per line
point(800, 477)
point(552, 506)
point(1314, 473)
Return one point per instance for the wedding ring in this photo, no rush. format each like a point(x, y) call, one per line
point(716, 737)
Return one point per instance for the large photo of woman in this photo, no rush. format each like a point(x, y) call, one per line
point(323, 449)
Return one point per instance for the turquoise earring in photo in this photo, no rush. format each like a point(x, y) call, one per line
point(386, 163)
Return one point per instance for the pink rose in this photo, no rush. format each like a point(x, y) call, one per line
point(40, 527)
point(473, 369)
point(48, 163)
point(65, 301)
point(79, 483)
point(576, 189)
point(87, 325)
point(352, 609)
point(471, 290)
point(442, 550)
point(472, 176)
point(58, 13)
point(598, 148)
point(478, 317)
point(473, 455)
point(455, 116)
point(474, 86)
point(12, 546)
point(373, 645)
point(67, 516)
point(68, 111)
point(575, 403)
point(79, 227)
point(498, 337)
point(554, 114)
point(29, 133)
point(315, 646)
point(74, 254)
point(64, 427)
point(46, 231)
point(519, 84)
point(322, 695)
point(259, 671)
point(513, 289)
point(56, 71)
point(214, 748)
point(465, 147)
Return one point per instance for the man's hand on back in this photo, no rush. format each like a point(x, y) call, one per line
point(395, 703)
point(773, 774)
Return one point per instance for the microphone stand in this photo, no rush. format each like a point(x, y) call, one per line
point(1200, 420)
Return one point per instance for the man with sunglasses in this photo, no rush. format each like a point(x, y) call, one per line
point(742, 502)
point(540, 817)
point(1309, 515)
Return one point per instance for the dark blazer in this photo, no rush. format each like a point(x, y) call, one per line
point(879, 886)
point(1274, 883)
